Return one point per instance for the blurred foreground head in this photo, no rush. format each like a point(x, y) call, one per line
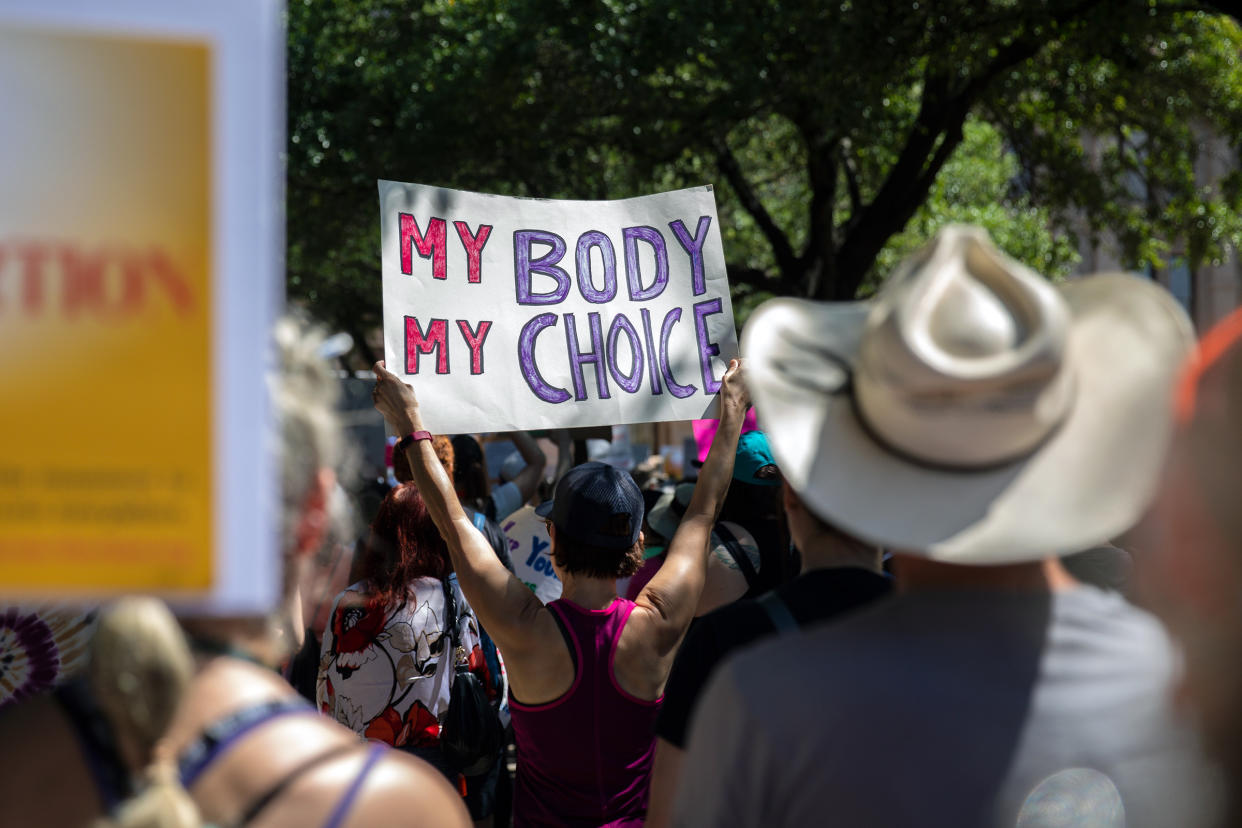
point(308, 436)
point(139, 672)
point(1192, 572)
point(304, 397)
point(972, 412)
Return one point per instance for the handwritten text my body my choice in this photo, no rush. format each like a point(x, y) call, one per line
point(649, 355)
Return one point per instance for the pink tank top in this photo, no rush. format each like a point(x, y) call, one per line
point(585, 759)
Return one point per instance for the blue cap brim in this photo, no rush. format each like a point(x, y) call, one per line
point(544, 509)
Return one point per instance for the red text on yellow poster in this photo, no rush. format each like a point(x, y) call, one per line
point(105, 313)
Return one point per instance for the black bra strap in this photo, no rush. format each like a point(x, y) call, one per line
point(737, 553)
point(289, 778)
point(222, 734)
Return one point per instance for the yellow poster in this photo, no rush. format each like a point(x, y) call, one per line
point(105, 312)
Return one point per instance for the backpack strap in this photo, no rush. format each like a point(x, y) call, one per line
point(778, 611)
point(737, 553)
point(450, 616)
point(480, 521)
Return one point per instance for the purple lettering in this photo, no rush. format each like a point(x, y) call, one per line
point(694, 246)
point(707, 349)
point(586, 284)
point(651, 351)
point(629, 382)
point(666, 329)
point(651, 236)
point(524, 266)
point(526, 358)
point(578, 358)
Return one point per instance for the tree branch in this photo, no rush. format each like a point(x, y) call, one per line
point(935, 134)
point(819, 258)
point(851, 179)
point(726, 162)
point(759, 279)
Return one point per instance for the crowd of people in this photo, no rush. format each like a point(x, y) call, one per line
point(979, 566)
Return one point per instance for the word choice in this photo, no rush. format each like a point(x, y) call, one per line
point(627, 351)
point(603, 354)
point(648, 355)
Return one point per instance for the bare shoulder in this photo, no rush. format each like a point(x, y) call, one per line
point(543, 670)
point(401, 785)
point(367, 789)
point(665, 606)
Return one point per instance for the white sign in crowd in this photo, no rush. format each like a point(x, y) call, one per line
point(514, 313)
point(530, 547)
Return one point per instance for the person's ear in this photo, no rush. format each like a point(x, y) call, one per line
point(789, 499)
point(313, 524)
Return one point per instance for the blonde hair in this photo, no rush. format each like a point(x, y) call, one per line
point(304, 397)
point(140, 667)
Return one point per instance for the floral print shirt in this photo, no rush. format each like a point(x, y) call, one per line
point(384, 671)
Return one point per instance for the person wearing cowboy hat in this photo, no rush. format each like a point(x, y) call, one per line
point(979, 422)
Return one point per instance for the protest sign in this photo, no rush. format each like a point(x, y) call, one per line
point(530, 547)
point(139, 274)
point(514, 313)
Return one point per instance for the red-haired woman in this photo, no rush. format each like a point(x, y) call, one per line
point(386, 661)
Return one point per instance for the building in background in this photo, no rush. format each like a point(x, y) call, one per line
point(1209, 291)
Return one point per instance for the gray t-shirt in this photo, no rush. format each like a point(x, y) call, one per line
point(950, 709)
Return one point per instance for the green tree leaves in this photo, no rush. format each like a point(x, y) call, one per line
point(839, 134)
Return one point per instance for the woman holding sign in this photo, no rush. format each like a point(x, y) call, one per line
point(587, 671)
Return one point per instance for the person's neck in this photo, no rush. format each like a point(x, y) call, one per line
point(590, 593)
point(916, 574)
point(249, 639)
point(826, 551)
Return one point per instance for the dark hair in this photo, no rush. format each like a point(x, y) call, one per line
point(470, 473)
point(598, 561)
point(403, 544)
point(751, 501)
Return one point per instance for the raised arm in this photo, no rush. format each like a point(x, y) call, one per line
point(503, 603)
point(670, 597)
point(528, 478)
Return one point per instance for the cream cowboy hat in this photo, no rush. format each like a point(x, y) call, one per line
point(971, 412)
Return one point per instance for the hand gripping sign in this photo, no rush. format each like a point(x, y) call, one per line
point(514, 313)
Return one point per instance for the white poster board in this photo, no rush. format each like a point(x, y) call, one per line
point(140, 155)
point(514, 313)
point(530, 547)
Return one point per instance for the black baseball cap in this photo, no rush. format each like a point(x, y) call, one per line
point(590, 501)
